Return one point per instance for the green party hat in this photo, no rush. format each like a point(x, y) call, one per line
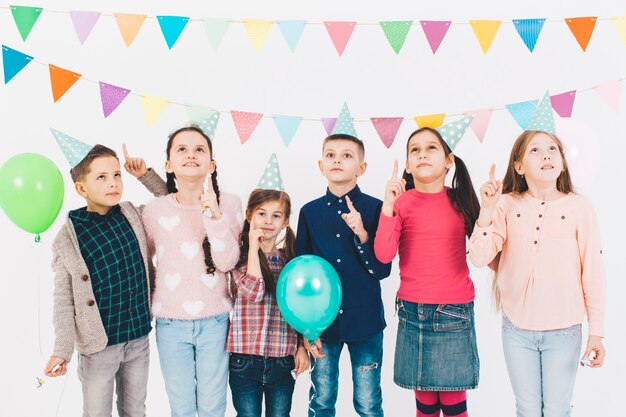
point(344, 122)
point(73, 149)
point(543, 119)
point(271, 180)
point(453, 132)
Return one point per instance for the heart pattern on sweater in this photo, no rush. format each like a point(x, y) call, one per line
point(193, 307)
point(172, 281)
point(190, 249)
point(210, 280)
point(156, 307)
point(169, 222)
point(217, 244)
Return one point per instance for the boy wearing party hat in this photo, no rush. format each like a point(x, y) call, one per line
point(102, 286)
point(340, 227)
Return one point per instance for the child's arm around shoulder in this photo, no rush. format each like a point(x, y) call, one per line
point(147, 176)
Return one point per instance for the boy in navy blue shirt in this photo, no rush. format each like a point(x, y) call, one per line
point(340, 227)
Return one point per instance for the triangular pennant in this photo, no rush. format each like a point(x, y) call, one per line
point(563, 103)
point(13, 62)
point(287, 127)
point(480, 123)
point(245, 123)
point(620, 25)
point(543, 119)
point(209, 124)
point(61, 81)
point(430, 120)
point(453, 132)
point(129, 25)
point(83, 22)
point(25, 18)
point(396, 32)
point(292, 31)
point(435, 31)
point(387, 128)
point(111, 96)
point(172, 27)
point(344, 122)
point(485, 31)
point(215, 30)
point(258, 31)
point(582, 29)
point(523, 111)
point(329, 124)
point(340, 33)
point(73, 149)
point(610, 93)
point(271, 179)
point(529, 30)
point(152, 108)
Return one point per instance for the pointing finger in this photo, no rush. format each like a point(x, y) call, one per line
point(126, 155)
point(350, 205)
point(492, 172)
point(394, 173)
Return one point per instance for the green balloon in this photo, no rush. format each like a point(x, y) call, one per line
point(31, 191)
point(308, 293)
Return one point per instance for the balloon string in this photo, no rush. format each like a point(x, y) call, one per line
point(314, 391)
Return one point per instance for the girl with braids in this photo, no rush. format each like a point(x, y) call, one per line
point(428, 223)
point(264, 348)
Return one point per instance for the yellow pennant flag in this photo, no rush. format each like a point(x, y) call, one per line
point(485, 31)
point(620, 25)
point(430, 120)
point(129, 25)
point(257, 31)
point(152, 108)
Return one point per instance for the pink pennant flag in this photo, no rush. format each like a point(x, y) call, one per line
point(245, 123)
point(340, 33)
point(563, 103)
point(480, 123)
point(387, 128)
point(111, 96)
point(435, 31)
point(83, 22)
point(329, 124)
point(610, 92)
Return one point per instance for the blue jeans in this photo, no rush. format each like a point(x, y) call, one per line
point(194, 364)
point(252, 376)
point(542, 368)
point(366, 357)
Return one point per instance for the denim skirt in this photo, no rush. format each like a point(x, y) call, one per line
point(436, 347)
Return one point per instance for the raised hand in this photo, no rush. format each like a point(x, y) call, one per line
point(134, 166)
point(255, 237)
point(490, 193)
point(208, 199)
point(394, 189)
point(354, 221)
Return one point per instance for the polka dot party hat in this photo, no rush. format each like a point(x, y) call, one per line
point(453, 132)
point(73, 149)
point(271, 180)
point(344, 122)
point(543, 119)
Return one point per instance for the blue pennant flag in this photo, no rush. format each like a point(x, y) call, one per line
point(523, 111)
point(13, 62)
point(172, 26)
point(287, 127)
point(529, 30)
point(292, 31)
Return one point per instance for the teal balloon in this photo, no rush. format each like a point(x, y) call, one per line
point(31, 191)
point(308, 293)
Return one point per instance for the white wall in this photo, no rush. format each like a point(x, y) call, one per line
point(313, 82)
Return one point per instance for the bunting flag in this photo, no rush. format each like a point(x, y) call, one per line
point(563, 103)
point(245, 123)
point(485, 32)
point(543, 119)
point(582, 29)
point(257, 31)
point(111, 97)
point(453, 132)
point(396, 32)
point(209, 124)
point(620, 25)
point(329, 124)
point(529, 30)
point(83, 22)
point(153, 107)
point(387, 128)
point(13, 62)
point(172, 27)
point(129, 25)
point(435, 31)
point(610, 93)
point(215, 30)
point(480, 123)
point(287, 126)
point(73, 149)
point(61, 80)
point(292, 31)
point(206, 118)
point(271, 179)
point(344, 122)
point(523, 111)
point(430, 120)
point(340, 33)
point(25, 18)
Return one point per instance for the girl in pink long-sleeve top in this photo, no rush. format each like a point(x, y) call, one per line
point(542, 241)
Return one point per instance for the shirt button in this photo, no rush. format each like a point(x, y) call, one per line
point(484, 233)
point(328, 204)
point(340, 200)
point(518, 214)
point(543, 202)
point(535, 242)
point(85, 277)
point(367, 263)
point(358, 247)
point(91, 303)
point(340, 311)
point(360, 251)
point(338, 235)
point(338, 211)
point(541, 215)
point(338, 260)
point(370, 271)
point(563, 217)
point(537, 227)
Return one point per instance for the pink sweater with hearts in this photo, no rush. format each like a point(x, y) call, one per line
point(183, 289)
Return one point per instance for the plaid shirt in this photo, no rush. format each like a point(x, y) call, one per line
point(110, 249)
point(257, 327)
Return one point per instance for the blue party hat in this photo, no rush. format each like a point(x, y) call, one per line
point(543, 119)
point(73, 149)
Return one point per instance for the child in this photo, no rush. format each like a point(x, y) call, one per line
point(436, 353)
point(340, 227)
point(264, 348)
point(193, 251)
point(102, 287)
point(542, 241)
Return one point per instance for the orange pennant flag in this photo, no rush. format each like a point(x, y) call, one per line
point(485, 31)
point(582, 29)
point(61, 81)
point(129, 25)
point(430, 120)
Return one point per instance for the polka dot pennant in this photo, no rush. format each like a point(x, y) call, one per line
point(543, 119)
point(73, 149)
point(453, 132)
point(344, 122)
point(271, 180)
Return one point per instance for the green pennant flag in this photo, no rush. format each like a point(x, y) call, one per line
point(396, 32)
point(25, 18)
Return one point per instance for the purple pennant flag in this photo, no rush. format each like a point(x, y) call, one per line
point(111, 97)
point(563, 103)
point(435, 31)
point(329, 124)
point(83, 21)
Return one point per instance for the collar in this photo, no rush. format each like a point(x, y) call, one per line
point(331, 198)
point(82, 215)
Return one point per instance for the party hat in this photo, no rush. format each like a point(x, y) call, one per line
point(271, 180)
point(453, 132)
point(73, 149)
point(344, 122)
point(543, 119)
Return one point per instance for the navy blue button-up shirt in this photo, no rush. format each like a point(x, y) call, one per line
point(322, 232)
